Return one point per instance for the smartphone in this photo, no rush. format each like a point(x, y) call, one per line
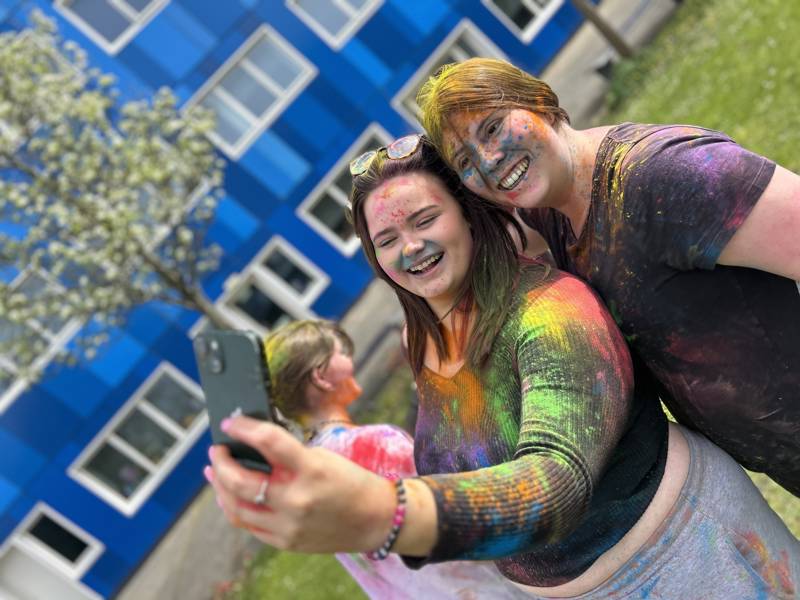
point(235, 381)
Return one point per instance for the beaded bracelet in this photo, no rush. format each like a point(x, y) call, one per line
point(397, 522)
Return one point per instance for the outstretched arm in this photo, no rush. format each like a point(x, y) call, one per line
point(576, 382)
point(316, 500)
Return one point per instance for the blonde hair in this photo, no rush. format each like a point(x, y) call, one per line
point(292, 353)
point(480, 84)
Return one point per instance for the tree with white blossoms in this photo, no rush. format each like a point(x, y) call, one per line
point(103, 206)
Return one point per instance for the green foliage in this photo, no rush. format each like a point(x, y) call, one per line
point(729, 65)
point(105, 205)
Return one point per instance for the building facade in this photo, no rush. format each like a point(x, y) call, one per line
point(97, 462)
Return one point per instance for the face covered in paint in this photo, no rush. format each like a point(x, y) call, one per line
point(420, 236)
point(512, 156)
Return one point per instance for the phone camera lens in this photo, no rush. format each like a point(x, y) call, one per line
point(215, 364)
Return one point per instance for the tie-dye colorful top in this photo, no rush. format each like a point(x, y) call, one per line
point(554, 457)
point(389, 451)
point(724, 342)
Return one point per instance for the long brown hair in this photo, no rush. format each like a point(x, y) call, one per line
point(480, 84)
point(492, 272)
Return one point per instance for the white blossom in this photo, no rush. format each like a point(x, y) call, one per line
point(103, 207)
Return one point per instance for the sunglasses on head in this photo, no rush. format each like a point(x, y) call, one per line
point(400, 148)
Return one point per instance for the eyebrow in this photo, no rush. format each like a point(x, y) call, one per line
point(410, 217)
point(455, 155)
point(486, 119)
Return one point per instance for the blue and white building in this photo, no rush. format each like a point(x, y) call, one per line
point(98, 461)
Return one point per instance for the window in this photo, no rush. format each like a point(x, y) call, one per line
point(465, 41)
point(323, 209)
point(524, 17)
point(110, 24)
point(252, 88)
point(335, 21)
point(144, 440)
point(279, 286)
point(57, 541)
point(46, 336)
point(46, 556)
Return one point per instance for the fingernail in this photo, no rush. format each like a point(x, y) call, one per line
point(225, 425)
point(208, 473)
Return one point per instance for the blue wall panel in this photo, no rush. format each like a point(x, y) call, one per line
point(115, 358)
point(189, 41)
point(236, 218)
point(19, 462)
point(9, 492)
point(275, 164)
point(216, 17)
point(311, 139)
point(42, 421)
point(367, 62)
point(424, 16)
point(76, 387)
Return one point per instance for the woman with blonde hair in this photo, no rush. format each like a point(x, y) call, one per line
point(691, 240)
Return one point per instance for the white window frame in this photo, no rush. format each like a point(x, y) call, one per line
point(284, 98)
point(271, 285)
point(57, 341)
point(39, 550)
point(357, 18)
point(464, 28)
point(138, 21)
point(303, 211)
point(185, 439)
point(319, 279)
point(540, 19)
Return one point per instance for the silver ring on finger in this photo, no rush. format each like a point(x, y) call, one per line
point(260, 498)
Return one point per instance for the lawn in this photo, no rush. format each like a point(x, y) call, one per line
point(730, 65)
point(725, 64)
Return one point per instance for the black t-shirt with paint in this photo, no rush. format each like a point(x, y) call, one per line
point(724, 342)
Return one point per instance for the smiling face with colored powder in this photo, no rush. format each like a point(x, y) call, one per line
point(511, 156)
point(421, 238)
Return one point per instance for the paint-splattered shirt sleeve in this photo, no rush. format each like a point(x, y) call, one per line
point(573, 394)
point(690, 189)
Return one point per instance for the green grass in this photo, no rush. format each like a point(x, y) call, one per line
point(730, 65)
point(726, 64)
point(287, 575)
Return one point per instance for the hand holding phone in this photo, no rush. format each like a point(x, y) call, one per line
point(235, 380)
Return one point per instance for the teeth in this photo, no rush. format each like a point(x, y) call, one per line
point(424, 264)
point(514, 176)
